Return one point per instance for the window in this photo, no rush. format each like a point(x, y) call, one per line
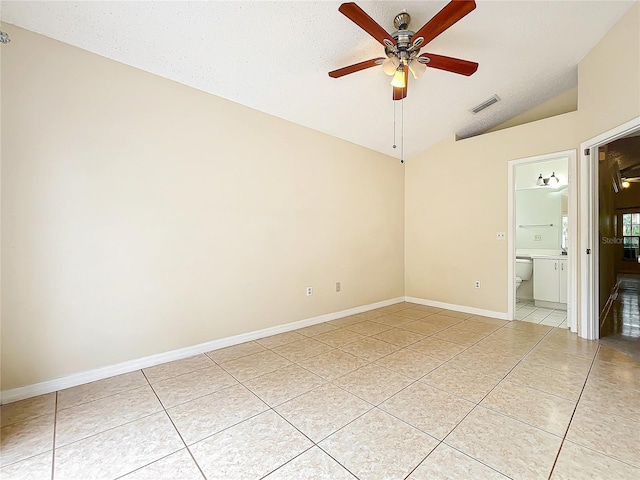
point(631, 235)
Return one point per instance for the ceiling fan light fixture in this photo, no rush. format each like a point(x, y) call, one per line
point(403, 46)
point(625, 184)
point(399, 80)
point(417, 69)
point(389, 65)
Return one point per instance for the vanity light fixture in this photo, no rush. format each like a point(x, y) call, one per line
point(551, 181)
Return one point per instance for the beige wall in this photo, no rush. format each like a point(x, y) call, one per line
point(609, 78)
point(141, 216)
point(456, 192)
point(564, 103)
point(456, 201)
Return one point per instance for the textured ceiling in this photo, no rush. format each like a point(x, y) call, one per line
point(274, 57)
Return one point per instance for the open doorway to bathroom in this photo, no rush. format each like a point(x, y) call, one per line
point(542, 223)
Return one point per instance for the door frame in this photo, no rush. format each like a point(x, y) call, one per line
point(572, 263)
point(589, 327)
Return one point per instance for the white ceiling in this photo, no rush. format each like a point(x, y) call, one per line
point(274, 57)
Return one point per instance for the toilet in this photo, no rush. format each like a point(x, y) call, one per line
point(524, 270)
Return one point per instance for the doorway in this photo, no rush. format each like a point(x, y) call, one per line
point(543, 239)
point(608, 244)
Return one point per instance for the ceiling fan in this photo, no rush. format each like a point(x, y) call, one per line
point(402, 47)
point(630, 174)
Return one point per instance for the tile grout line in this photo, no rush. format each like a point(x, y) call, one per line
point(128, 390)
point(564, 437)
point(338, 462)
point(219, 390)
point(101, 398)
point(31, 456)
point(53, 450)
point(135, 419)
point(314, 444)
point(287, 462)
point(416, 380)
point(327, 382)
point(330, 382)
point(375, 406)
point(400, 348)
point(474, 403)
point(486, 395)
point(373, 335)
point(146, 415)
point(183, 403)
point(462, 453)
point(93, 434)
point(213, 364)
point(419, 379)
point(175, 428)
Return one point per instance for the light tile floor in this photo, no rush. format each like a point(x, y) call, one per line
point(528, 312)
point(624, 316)
point(621, 328)
point(402, 392)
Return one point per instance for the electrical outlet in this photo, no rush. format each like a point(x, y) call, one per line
point(309, 291)
point(477, 284)
point(537, 238)
point(501, 236)
point(337, 286)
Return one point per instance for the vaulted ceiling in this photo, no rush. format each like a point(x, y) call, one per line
point(274, 57)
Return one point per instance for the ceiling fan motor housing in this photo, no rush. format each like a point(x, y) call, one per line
point(402, 36)
point(402, 21)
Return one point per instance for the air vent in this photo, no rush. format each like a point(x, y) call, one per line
point(485, 104)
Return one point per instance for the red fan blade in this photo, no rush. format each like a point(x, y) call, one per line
point(355, 67)
point(446, 17)
point(358, 16)
point(400, 93)
point(455, 65)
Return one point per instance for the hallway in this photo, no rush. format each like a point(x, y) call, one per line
point(621, 328)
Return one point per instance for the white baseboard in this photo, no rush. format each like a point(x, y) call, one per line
point(458, 308)
point(101, 373)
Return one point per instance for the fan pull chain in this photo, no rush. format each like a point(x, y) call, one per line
point(402, 133)
point(394, 123)
point(401, 128)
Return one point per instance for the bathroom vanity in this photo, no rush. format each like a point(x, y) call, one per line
point(550, 279)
